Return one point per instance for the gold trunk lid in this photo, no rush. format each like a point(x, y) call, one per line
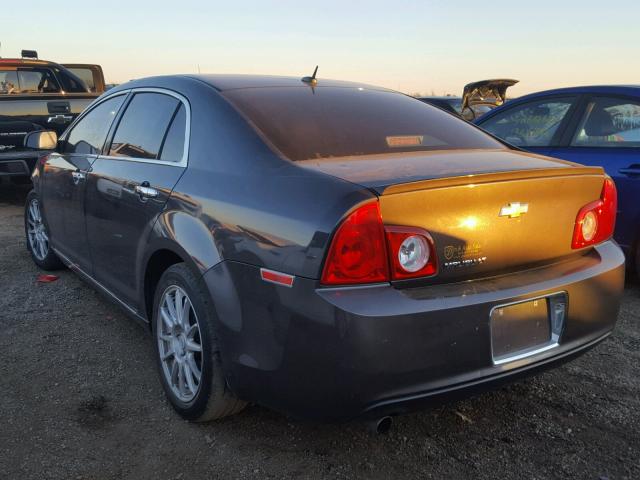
point(498, 222)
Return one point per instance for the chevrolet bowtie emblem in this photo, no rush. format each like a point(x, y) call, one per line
point(514, 210)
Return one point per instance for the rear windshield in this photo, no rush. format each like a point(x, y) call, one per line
point(323, 122)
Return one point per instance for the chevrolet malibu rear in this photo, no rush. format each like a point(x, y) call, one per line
point(336, 251)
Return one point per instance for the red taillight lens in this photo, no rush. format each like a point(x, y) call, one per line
point(596, 221)
point(412, 253)
point(358, 253)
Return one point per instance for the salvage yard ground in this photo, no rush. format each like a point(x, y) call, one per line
point(79, 398)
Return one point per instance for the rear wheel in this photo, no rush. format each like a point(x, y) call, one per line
point(37, 235)
point(186, 347)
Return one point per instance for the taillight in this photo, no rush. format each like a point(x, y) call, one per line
point(364, 251)
point(596, 221)
point(412, 252)
point(358, 253)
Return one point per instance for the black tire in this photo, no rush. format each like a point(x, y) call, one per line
point(213, 399)
point(45, 259)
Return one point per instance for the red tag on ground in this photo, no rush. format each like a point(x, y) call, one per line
point(47, 278)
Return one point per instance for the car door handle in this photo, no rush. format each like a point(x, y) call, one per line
point(631, 171)
point(77, 176)
point(146, 192)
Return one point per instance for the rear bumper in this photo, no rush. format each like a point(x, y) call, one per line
point(337, 354)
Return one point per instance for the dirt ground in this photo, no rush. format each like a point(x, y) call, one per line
point(80, 399)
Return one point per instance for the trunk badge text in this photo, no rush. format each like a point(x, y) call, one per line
point(514, 210)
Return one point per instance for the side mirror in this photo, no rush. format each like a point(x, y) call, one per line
point(41, 140)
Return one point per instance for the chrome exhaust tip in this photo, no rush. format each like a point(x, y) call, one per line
point(380, 426)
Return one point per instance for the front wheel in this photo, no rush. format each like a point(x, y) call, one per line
point(186, 347)
point(37, 235)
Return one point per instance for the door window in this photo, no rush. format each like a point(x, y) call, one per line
point(533, 124)
point(89, 134)
point(9, 82)
point(37, 81)
point(144, 125)
point(609, 122)
point(173, 146)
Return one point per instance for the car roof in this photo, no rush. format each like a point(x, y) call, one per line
point(24, 61)
point(442, 97)
point(224, 82)
point(629, 89)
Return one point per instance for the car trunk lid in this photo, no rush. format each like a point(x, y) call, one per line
point(510, 212)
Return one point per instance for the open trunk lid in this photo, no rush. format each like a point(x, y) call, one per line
point(492, 217)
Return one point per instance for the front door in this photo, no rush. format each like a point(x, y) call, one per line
point(127, 189)
point(65, 182)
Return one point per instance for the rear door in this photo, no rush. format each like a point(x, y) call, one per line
point(536, 125)
point(607, 133)
point(65, 180)
point(129, 186)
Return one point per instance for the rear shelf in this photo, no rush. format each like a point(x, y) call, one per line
point(497, 222)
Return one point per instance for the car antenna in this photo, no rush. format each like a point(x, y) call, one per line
point(312, 80)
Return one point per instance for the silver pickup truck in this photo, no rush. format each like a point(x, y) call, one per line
point(39, 95)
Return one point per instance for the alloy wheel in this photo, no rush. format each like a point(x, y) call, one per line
point(179, 343)
point(37, 231)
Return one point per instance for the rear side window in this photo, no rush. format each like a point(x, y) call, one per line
point(70, 82)
point(323, 122)
point(173, 146)
point(89, 134)
point(86, 75)
point(532, 124)
point(144, 125)
point(609, 122)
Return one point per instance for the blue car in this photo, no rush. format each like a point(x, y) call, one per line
point(589, 125)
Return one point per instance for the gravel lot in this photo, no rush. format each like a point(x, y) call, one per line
point(79, 398)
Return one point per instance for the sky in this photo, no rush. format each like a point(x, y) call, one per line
point(431, 47)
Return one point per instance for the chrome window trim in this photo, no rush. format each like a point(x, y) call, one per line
point(184, 161)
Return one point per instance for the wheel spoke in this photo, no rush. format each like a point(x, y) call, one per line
point(166, 338)
point(43, 253)
point(32, 211)
point(168, 355)
point(168, 321)
point(192, 346)
point(194, 368)
point(178, 298)
point(191, 331)
point(171, 307)
point(184, 314)
point(189, 377)
point(181, 384)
